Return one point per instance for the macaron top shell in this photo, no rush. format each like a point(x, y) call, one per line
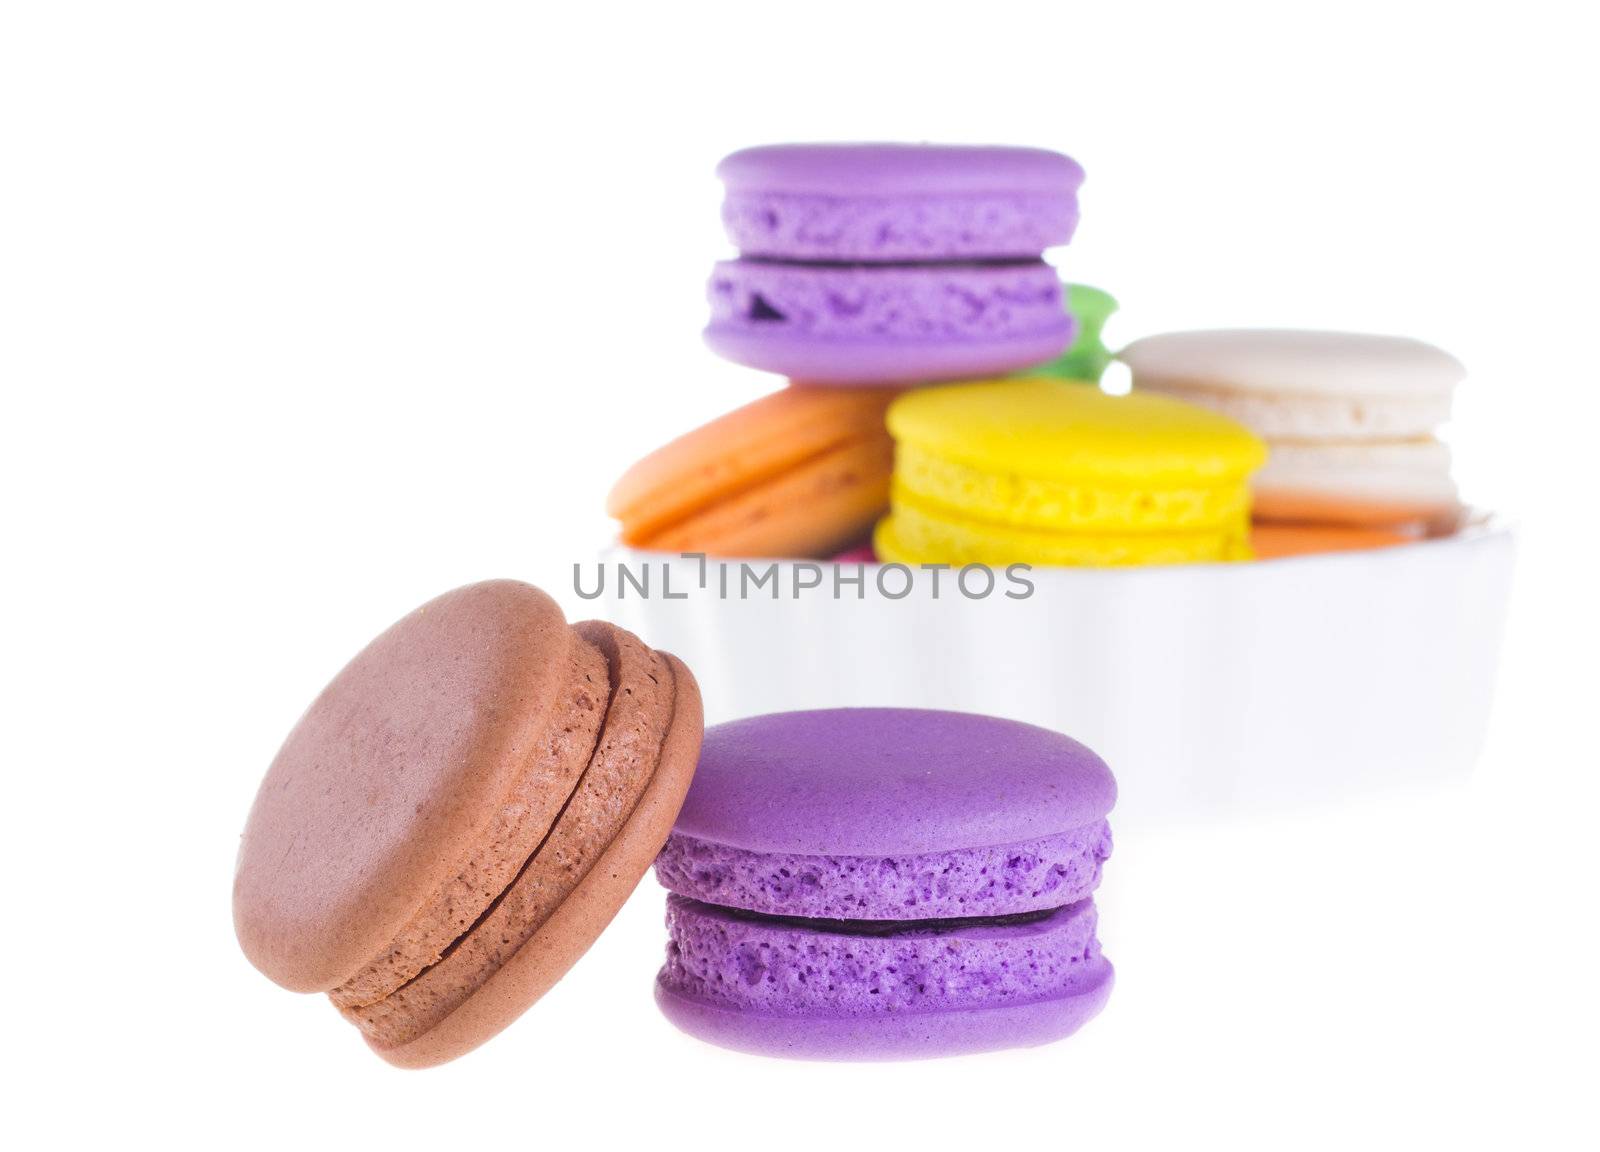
point(402, 762)
point(1293, 362)
point(748, 446)
point(898, 202)
point(1044, 428)
point(898, 169)
point(889, 781)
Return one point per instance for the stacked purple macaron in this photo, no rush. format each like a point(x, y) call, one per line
point(892, 263)
point(873, 883)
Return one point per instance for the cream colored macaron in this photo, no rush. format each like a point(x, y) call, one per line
point(1349, 418)
point(1356, 482)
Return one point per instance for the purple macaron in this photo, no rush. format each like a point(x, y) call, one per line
point(874, 883)
point(892, 263)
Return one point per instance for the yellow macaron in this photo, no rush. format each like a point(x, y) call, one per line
point(1051, 473)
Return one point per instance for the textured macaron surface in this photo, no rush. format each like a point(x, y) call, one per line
point(785, 967)
point(1083, 503)
point(997, 880)
point(889, 782)
point(952, 303)
point(898, 202)
point(915, 533)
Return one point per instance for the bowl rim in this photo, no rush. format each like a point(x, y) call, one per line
point(1474, 528)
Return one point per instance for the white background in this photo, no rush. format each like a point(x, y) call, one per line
point(311, 311)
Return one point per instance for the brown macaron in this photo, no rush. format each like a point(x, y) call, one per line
point(460, 814)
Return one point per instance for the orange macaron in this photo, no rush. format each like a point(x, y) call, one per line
point(801, 472)
point(1274, 541)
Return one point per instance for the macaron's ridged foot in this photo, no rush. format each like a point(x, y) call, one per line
point(1086, 503)
point(866, 325)
point(808, 965)
point(919, 534)
point(1034, 875)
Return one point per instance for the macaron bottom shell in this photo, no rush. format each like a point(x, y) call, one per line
point(911, 1036)
point(1000, 880)
point(874, 360)
point(1309, 505)
point(815, 508)
point(1378, 484)
point(796, 989)
point(799, 472)
point(913, 534)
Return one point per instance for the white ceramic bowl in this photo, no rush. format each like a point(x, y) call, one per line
point(1205, 687)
